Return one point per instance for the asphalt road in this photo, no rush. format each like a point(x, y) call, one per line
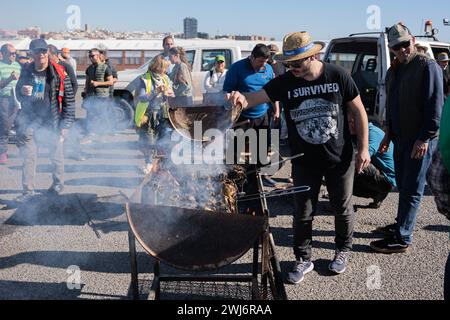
point(43, 244)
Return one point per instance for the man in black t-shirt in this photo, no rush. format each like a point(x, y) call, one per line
point(316, 97)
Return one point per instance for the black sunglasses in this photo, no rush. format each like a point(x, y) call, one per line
point(295, 64)
point(12, 53)
point(401, 45)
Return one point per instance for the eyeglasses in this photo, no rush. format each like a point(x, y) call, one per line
point(295, 64)
point(39, 51)
point(93, 56)
point(12, 53)
point(404, 45)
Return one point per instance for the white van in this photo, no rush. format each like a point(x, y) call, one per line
point(201, 58)
point(367, 58)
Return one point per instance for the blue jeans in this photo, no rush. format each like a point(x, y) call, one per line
point(411, 178)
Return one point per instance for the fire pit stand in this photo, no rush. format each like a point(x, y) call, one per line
point(199, 242)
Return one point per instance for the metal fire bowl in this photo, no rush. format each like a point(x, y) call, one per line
point(193, 240)
point(212, 117)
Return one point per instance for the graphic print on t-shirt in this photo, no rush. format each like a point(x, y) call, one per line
point(39, 88)
point(316, 120)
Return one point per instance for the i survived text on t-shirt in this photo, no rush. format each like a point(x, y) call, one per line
point(316, 115)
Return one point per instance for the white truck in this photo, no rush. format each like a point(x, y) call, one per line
point(367, 58)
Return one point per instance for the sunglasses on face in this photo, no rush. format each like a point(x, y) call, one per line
point(12, 53)
point(295, 64)
point(401, 45)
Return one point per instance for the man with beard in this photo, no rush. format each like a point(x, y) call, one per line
point(316, 97)
point(415, 95)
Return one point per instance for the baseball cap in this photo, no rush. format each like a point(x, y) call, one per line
point(220, 58)
point(398, 33)
point(38, 44)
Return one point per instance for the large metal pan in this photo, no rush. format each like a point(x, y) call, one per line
point(193, 240)
point(221, 118)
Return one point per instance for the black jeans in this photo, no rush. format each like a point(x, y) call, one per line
point(8, 113)
point(339, 180)
point(371, 183)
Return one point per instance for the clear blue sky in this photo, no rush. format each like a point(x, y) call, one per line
point(323, 19)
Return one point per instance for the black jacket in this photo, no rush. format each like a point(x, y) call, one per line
point(418, 88)
point(60, 120)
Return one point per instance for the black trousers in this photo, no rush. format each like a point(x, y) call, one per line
point(372, 184)
point(339, 181)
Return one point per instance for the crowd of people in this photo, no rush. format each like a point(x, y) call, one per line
point(318, 103)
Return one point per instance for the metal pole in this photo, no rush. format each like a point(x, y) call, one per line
point(133, 263)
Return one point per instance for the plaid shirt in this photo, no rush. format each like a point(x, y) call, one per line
point(438, 179)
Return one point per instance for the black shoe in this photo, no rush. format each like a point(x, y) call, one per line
point(26, 196)
point(375, 205)
point(56, 189)
point(269, 182)
point(389, 245)
point(378, 200)
point(389, 230)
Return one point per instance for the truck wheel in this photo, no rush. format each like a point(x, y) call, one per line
point(123, 114)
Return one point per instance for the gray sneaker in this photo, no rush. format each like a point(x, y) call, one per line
point(299, 271)
point(339, 264)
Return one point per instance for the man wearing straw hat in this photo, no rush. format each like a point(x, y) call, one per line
point(316, 97)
